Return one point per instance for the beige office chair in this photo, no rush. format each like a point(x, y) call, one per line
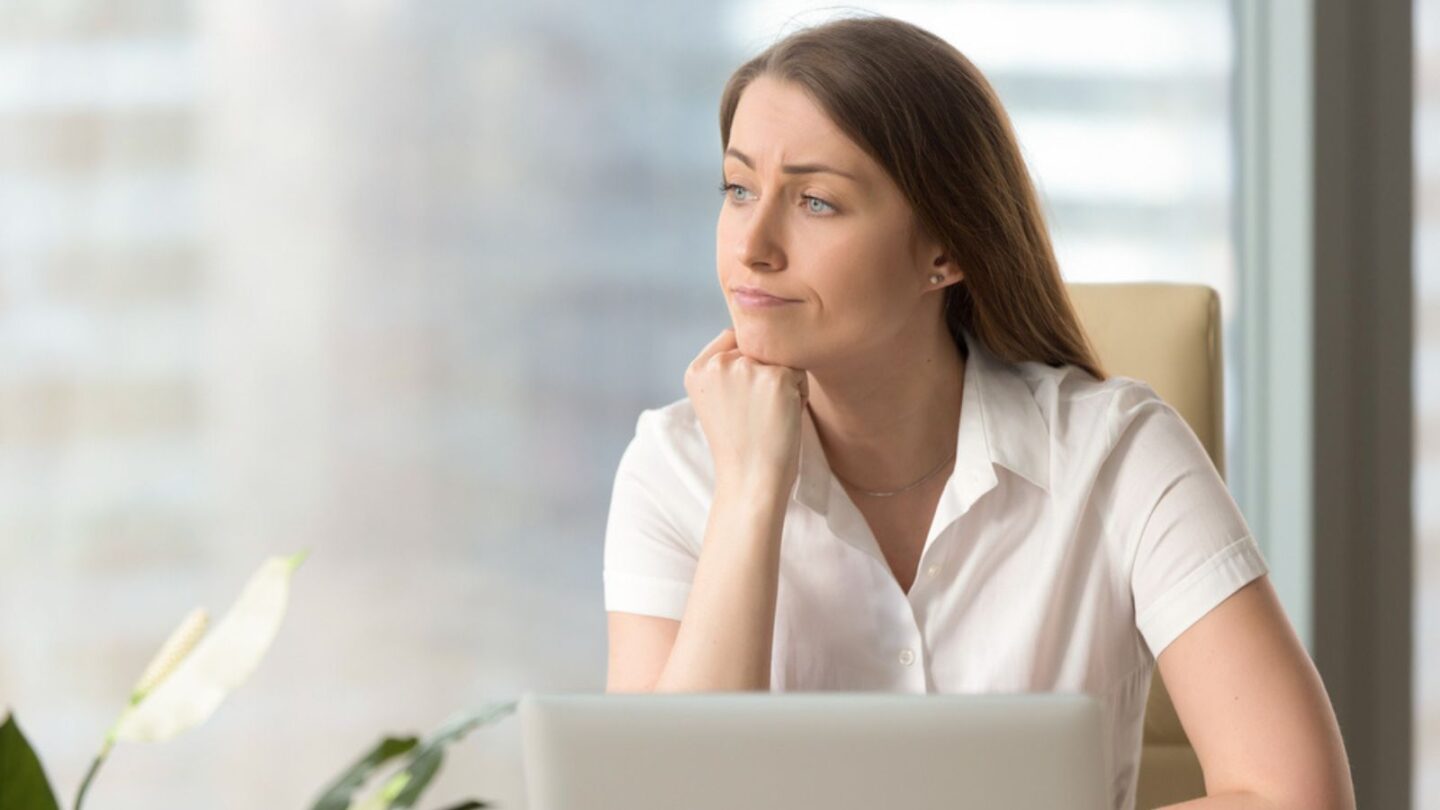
point(1169, 336)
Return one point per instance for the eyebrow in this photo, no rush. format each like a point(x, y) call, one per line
point(793, 168)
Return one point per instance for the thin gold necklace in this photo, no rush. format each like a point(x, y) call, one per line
point(926, 477)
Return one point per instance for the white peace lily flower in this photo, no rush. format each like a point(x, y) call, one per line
point(192, 675)
point(171, 653)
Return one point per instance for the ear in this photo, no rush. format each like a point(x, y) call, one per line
point(932, 258)
point(942, 265)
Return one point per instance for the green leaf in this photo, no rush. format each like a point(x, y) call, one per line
point(219, 662)
point(337, 796)
point(385, 796)
point(23, 785)
point(423, 766)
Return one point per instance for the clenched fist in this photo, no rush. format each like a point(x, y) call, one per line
point(750, 412)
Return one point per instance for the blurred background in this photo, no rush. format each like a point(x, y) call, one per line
point(391, 281)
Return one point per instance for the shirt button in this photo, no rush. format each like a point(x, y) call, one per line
point(933, 569)
point(907, 657)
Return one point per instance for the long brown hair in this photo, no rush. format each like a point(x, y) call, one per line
point(928, 116)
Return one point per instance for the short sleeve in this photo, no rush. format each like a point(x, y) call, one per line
point(649, 560)
point(1189, 545)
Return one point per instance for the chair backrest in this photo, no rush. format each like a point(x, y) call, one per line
point(1167, 335)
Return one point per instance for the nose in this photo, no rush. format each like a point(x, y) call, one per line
point(758, 242)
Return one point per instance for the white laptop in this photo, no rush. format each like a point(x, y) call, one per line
point(822, 750)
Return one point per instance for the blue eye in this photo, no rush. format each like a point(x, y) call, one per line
point(726, 187)
point(810, 202)
point(822, 202)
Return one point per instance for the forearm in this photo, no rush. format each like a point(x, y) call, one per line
point(1227, 801)
point(726, 633)
point(1250, 801)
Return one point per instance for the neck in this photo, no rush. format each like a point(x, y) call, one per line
point(890, 415)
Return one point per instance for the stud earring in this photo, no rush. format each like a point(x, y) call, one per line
point(936, 278)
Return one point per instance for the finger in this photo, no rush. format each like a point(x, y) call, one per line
point(725, 341)
point(801, 381)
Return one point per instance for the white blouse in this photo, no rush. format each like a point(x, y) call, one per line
point(1082, 530)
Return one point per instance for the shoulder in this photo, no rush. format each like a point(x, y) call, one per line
point(675, 416)
point(670, 444)
point(1084, 413)
point(675, 427)
point(1117, 441)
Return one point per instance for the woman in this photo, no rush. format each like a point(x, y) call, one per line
point(966, 502)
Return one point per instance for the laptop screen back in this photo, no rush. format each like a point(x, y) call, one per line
point(823, 750)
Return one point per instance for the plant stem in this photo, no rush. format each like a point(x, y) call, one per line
point(90, 774)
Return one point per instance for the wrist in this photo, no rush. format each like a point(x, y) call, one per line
point(754, 487)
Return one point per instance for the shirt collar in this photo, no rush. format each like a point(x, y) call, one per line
point(1000, 423)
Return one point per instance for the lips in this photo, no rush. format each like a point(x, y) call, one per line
point(757, 294)
point(760, 301)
